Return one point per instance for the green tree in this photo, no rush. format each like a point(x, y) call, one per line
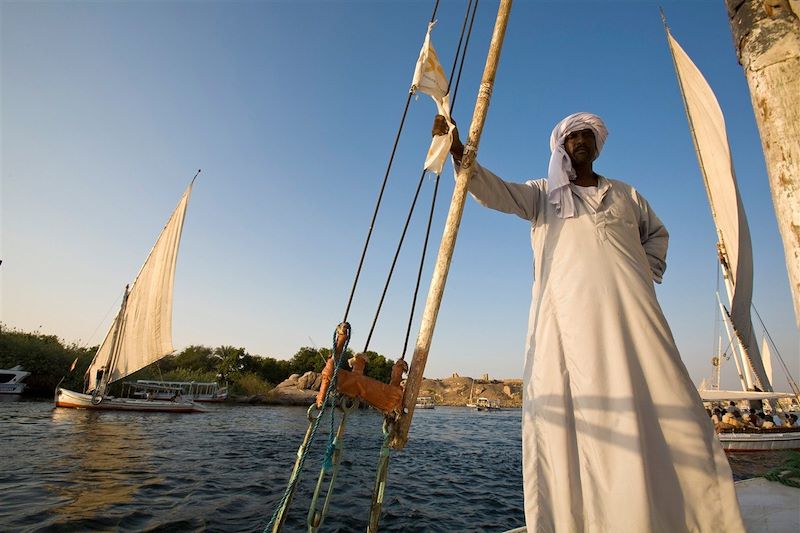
point(46, 357)
point(307, 359)
point(200, 358)
point(267, 368)
point(229, 362)
point(379, 367)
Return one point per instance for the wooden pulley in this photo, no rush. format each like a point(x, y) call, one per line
point(385, 397)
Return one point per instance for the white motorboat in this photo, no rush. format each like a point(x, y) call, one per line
point(11, 380)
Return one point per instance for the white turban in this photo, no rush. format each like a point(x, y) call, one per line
point(560, 171)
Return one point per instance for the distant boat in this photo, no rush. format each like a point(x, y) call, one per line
point(425, 402)
point(753, 439)
point(209, 392)
point(735, 256)
point(141, 333)
point(470, 403)
point(734, 247)
point(485, 404)
point(11, 380)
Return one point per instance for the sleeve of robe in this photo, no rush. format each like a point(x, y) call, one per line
point(654, 238)
point(490, 191)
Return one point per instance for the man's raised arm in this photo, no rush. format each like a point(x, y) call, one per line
point(489, 190)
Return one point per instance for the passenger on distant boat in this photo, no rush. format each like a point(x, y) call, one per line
point(731, 407)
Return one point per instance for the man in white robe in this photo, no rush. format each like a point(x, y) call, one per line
point(615, 437)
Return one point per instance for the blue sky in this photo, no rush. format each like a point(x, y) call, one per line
point(290, 109)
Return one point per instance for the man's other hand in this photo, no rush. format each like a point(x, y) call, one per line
point(440, 128)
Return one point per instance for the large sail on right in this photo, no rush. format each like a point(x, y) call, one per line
point(713, 152)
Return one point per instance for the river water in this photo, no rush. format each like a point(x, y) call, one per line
point(225, 470)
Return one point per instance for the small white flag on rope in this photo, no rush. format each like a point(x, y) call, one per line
point(430, 79)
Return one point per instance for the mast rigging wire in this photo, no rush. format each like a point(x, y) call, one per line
point(459, 52)
point(383, 188)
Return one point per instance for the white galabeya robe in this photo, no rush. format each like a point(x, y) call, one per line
point(615, 437)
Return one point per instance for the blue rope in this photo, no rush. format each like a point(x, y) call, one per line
point(330, 392)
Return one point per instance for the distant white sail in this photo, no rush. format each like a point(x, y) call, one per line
point(145, 334)
point(766, 358)
point(711, 141)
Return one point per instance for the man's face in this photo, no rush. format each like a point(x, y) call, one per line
point(580, 146)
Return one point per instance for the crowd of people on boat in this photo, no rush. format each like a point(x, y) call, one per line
point(731, 417)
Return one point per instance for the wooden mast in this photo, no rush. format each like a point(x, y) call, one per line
point(766, 34)
point(399, 434)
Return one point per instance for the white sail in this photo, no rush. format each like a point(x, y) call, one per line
point(145, 332)
point(766, 358)
point(711, 142)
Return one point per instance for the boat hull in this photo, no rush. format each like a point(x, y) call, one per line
point(760, 442)
point(767, 507)
point(76, 400)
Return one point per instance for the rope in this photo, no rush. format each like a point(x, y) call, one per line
point(436, 184)
point(462, 53)
point(383, 188)
point(327, 462)
point(789, 377)
point(788, 473)
point(419, 272)
point(330, 392)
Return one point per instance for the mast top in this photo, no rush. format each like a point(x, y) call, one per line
point(663, 18)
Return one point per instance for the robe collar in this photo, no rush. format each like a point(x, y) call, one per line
point(603, 185)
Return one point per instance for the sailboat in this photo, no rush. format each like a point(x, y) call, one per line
point(140, 334)
point(735, 255)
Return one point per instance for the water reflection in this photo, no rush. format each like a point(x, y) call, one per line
point(106, 458)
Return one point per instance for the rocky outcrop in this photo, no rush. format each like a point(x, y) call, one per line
point(455, 390)
point(296, 390)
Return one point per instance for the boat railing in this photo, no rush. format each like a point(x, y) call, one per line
point(777, 429)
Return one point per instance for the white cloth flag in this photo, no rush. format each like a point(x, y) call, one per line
point(429, 78)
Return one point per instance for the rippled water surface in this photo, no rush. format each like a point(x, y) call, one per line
point(225, 470)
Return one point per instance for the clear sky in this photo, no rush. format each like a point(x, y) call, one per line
point(290, 109)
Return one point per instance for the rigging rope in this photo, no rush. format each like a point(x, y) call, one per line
point(383, 188)
point(303, 451)
point(382, 472)
point(459, 52)
point(334, 447)
point(789, 377)
point(436, 184)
